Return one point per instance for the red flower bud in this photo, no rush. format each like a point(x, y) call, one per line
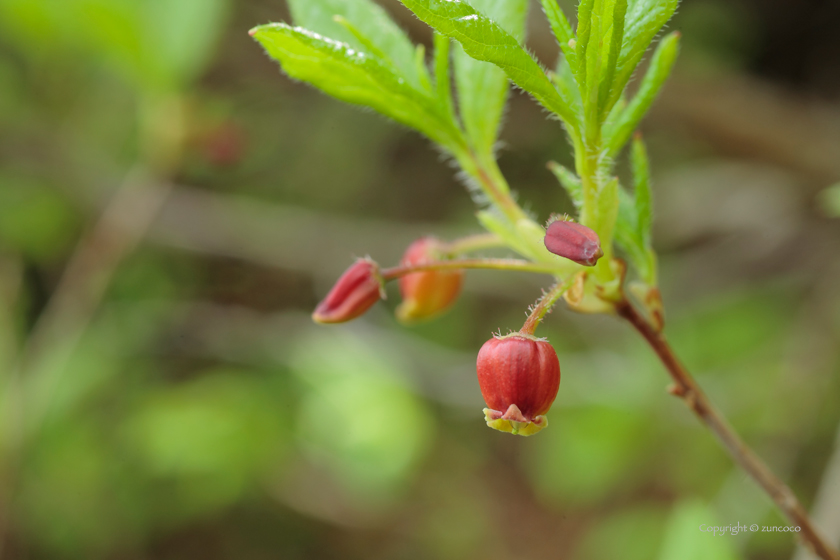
point(429, 293)
point(355, 292)
point(519, 376)
point(574, 241)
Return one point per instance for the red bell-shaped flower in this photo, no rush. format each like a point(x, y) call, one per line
point(519, 376)
point(354, 293)
point(428, 293)
point(574, 241)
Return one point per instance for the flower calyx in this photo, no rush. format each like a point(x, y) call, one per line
point(587, 295)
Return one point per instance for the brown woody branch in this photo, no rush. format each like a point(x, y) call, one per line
point(687, 389)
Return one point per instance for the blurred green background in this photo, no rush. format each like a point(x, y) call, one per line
point(172, 208)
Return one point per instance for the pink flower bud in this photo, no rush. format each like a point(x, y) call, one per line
point(355, 292)
point(429, 293)
point(519, 376)
point(574, 241)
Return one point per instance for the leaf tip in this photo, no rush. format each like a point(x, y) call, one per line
point(257, 30)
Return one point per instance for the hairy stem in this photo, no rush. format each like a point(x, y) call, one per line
point(489, 178)
point(543, 307)
point(492, 179)
point(687, 389)
point(495, 264)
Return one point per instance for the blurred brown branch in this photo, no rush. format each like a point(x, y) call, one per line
point(274, 234)
point(752, 119)
point(119, 230)
point(281, 236)
point(687, 389)
point(69, 311)
point(88, 273)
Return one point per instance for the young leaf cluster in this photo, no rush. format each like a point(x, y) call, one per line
point(353, 51)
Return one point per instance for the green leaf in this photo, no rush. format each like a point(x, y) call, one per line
point(495, 222)
point(443, 77)
point(562, 31)
point(482, 87)
point(589, 63)
point(645, 18)
point(422, 69)
point(355, 77)
point(608, 206)
point(627, 235)
point(370, 21)
point(366, 44)
point(584, 31)
point(609, 93)
point(483, 39)
point(635, 215)
point(615, 114)
point(564, 80)
point(643, 194)
point(569, 181)
point(666, 53)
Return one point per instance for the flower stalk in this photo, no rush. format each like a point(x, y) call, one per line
point(389, 274)
point(543, 308)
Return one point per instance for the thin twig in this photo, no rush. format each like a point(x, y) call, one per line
point(687, 389)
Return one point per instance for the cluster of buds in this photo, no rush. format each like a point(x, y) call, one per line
point(519, 374)
point(425, 294)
